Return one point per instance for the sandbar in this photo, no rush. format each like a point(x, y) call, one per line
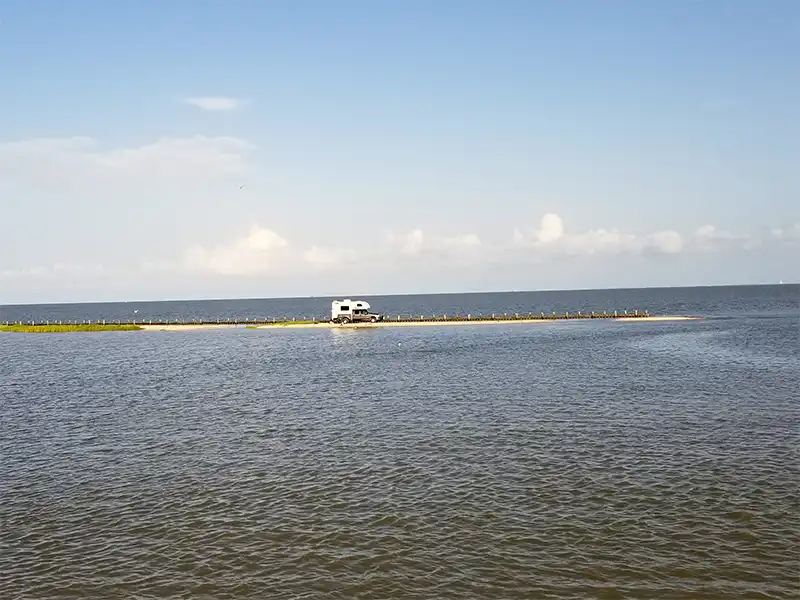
point(463, 322)
point(48, 328)
point(657, 318)
point(327, 325)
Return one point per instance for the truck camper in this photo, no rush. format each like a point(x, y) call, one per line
point(353, 311)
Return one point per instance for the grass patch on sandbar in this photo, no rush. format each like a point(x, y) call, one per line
point(69, 328)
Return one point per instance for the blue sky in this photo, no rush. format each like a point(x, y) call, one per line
point(193, 149)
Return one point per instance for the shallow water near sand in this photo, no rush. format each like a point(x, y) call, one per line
point(557, 460)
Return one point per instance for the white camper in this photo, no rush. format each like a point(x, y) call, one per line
point(347, 310)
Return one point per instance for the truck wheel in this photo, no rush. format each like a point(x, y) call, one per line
point(373, 320)
point(344, 321)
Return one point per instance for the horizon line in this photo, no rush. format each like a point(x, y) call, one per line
point(321, 296)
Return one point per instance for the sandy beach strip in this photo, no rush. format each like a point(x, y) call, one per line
point(400, 324)
point(469, 322)
point(657, 319)
point(326, 325)
point(187, 326)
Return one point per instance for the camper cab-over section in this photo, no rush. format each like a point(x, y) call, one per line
point(347, 311)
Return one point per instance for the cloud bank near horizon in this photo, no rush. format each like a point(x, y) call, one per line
point(153, 175)
point(259, 250)
point(215, 103)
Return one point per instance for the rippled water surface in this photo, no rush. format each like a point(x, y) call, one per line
point(554, 460)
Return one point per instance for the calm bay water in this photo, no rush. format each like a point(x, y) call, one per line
point(554, 460)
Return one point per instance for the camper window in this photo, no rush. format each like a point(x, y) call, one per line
point(344, 308)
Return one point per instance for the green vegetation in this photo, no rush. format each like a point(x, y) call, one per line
point(67, 328)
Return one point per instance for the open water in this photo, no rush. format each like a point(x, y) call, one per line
point(585, 459)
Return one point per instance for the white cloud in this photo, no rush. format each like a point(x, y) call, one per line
point(409, 244)
point(329, 257)
point(462, 248)
point(550, 230)
point(83, 163)
point(260, 251)
point(789, 235)
point(551, 237)
point(215, 103)
point(709, 238)
point(669, 242)
point(53, 272)
point(465, 241)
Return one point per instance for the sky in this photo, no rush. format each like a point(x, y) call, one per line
point(157, 150)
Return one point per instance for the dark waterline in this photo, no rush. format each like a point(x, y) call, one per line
point(557, 460)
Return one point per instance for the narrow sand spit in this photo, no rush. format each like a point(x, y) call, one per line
point(186, 327)
point(657, 318)
point(326, 325)
point(470, 322)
